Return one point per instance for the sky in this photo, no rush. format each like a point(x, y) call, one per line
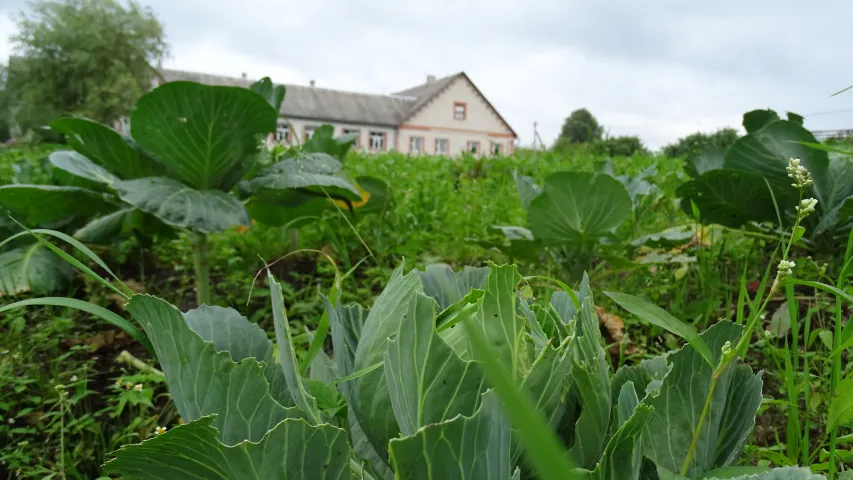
point(659, 69)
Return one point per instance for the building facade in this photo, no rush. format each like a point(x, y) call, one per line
point(444, 116)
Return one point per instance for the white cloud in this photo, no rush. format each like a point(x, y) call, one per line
point(659, 70)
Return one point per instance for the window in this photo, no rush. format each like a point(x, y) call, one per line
point(460, 110)
point(474, 147)
point(377, 140)
point(416, 144)
point(497, 148)
point(441, 146)
point(282, 133)
point(357, 133)
point(309, 131)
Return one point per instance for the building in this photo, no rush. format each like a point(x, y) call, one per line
point(445, 116)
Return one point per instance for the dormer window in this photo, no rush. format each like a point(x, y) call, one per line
point(460, 110)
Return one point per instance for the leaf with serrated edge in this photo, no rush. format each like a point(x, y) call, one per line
point(497, 316)
point(291, 449)
point(372, 404)
point(464, 448)
point(233, 333)
point(679, 404)
point(203, 381)
point(181, 206)
point(427, 381)
point(591, 375)
point(448, 287)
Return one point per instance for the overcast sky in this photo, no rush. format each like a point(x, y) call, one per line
point(659, 69)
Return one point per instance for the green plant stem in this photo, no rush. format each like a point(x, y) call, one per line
point(202, 268)
point(705, 409)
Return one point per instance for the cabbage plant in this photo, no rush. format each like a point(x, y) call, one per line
point(753, 172)
point(190, 146)
point(421, 385)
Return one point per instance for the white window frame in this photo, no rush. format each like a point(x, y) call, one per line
point(445, 143)
point(471, 145)
point(420, 144)
point(282, 133)
point(357, 132)
point(377, 141)
point(497, 148)
point(460, 114)
point(309, 131)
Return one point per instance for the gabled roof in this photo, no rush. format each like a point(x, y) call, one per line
point(430, 90)
point(320, 103)
point(336, 105)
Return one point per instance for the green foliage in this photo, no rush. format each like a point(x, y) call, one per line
point(621, 146)
point(93, 58)
point(579, 127)
point(696, 144)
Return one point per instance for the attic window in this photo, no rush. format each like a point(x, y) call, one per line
point(460, 110)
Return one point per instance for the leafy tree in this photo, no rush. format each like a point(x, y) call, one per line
point(622, 146)
point(92, 58)
point(695, 144)
point(580, 127)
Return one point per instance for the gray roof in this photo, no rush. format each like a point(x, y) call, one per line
point(321, 103)
point(325, 104)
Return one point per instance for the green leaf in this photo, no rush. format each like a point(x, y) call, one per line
point(838, 195)
point(107, 148)
point(372, 400)
point(379, 195)
point(465, 448)
point(670, 238)
point(233, 333)
point(289, 208)
point(48, 203)
point(541, 446)
point(206, 136)
point(181, 206)
point(576, 208)
point(287, 355)
point(721, 194)
point(646, 377)
point(32, 268)
point(313, 172)
point(323, 141)
point(766, 152)
point(786, 473)
point(497, 317)
point(105, 228)
point(427, 381)
point(591, 375)
point(655, 315)
point(757, 119)
point(273, 94)
point(735, 401)
point(841, 406)
point(203, 381)
point(76, 164)
point(710, 159)
point(448, 287)
point(292, 449)
point(527, 188)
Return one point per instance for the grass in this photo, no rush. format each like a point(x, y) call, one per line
point(441, 206)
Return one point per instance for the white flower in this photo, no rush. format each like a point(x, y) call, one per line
point(802, 177)
point(138, 387)
point(128, 386)
point(806, 206)
point(159, 430)
point(727, 348)
point(785, 267)
point(767, 333)
point(59, 387)
point(4, 352)
point(73, 378)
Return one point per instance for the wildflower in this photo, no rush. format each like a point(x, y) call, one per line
point(785, 268)
point(4, 352)
point(802, 177)
point(128, 386)
point(73, 378)
point(11, 420)
point(138, 387)
point(767, 333)
point(118, 383)
point(806, 206)
point(59, 387)
point(159, 430)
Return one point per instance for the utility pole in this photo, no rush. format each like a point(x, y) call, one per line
point(536, 136)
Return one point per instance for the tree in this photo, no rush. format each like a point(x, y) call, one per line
point(622, 146)
point(580, 127)
point(92, 58)
point(693, 145)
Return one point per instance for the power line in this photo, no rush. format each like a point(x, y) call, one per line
point(829, 112)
